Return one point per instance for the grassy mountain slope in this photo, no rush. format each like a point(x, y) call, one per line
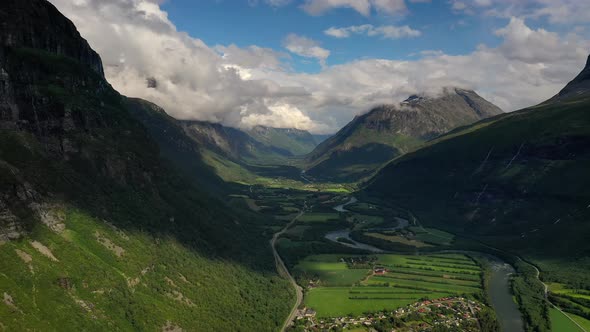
point(374, 138)
point(518, 181)
point(98, 232)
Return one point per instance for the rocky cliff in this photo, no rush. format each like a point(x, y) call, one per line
point(39, 25)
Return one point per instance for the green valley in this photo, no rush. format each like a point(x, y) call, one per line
point(230, 209)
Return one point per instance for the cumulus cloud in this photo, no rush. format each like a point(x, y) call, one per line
point(385, 31)
point(244, 86)
point(306, 47)
point(556, 11)
point(364, 7)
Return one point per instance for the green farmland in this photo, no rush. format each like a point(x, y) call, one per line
point(318, 217)
point(342, 289)
point(574, 302)
point(561, 323)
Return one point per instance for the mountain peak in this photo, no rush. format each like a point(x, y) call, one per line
point(579, 85)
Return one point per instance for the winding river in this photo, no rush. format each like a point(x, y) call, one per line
point(501, 299)
point(507, 312)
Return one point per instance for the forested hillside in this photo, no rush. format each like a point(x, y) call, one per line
point(97, 230)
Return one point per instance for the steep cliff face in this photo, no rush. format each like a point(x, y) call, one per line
point(39, 25)
point(44, 73)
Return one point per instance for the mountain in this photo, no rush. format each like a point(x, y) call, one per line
point(98, 231)
point(580, 85)
point(518, 181)
point(259, 145)
point(296, 142)
point(320, 138)
point(211, 154)
point(385, 132)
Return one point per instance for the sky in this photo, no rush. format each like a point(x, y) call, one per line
point(315, 64)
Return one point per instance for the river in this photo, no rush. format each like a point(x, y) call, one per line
point(501, 299)
point(507, 312)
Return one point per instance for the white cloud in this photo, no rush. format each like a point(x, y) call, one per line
point(556, 11)
point(537, 46)
point(364, 7)
point(252, 85)
point(306, 47)
point(272, 3)
point(385, 31)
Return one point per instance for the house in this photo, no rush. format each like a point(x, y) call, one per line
point(379, 270)
point(309, 313)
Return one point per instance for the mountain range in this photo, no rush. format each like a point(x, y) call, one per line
point(116, 216)
point(518, 181)
point(374, 138)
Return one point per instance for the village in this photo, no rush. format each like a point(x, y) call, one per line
point(444, 314)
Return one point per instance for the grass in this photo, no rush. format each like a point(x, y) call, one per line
point(331, 273)
point(559, 322)
point(341, 301)
point(585, 323)
point(314, 217)
point(432, 235)
point(399, 239)
point(403, 284)
point(136, 290)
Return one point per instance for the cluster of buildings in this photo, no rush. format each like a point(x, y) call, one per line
point(451, 312)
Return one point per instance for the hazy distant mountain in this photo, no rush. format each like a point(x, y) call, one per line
point(297, 142)
point(320, 138)
point(258, 145)
point(387, 131)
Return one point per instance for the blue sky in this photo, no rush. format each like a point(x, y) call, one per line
point(246, 23)
point(315, 64)
point(243, 24)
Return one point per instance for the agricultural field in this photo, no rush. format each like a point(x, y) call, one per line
point(575, 302)
point(366, 221)
point(318, 217)
point(350, 284)
point(399, 239)
point(559, 322)
point(432, 236)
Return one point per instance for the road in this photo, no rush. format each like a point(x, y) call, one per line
point(282, 269)
point(553, 305)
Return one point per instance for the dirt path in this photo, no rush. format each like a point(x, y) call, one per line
point(282, 269)
point(553, 305)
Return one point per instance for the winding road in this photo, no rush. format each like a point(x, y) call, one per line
point(282, 269)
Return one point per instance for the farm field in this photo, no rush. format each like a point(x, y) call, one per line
point(399, 239)
point(342, 301)
point(575, 302)
point(313, 217)
point(559, 322)
point(432, 235)
point(348, 284)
